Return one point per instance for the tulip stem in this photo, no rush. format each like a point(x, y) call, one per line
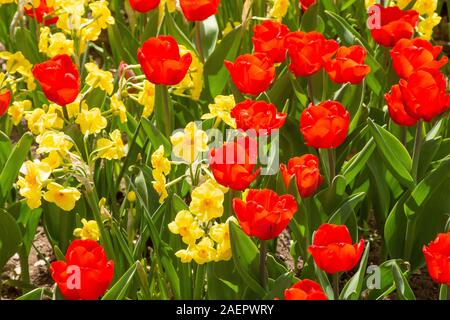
point(167, 110)
point(198, 40)
point(336, 278)
point(262, 263)
point(331, 164)
point(418, 141)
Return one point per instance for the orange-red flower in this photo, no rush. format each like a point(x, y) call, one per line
point(59, 79)
point(348, 65)
point(425, 94)
point(258, 115)
point(305, 290)
point(5, 100)
point(199, 10)
point(252, 73)
point(306, 171)
point(232, 164)
point(332, 249)
point(394, 24)
point(268, 37)
point(309, 52)
point(305, 4)
point(161, 62)
point(144, 6)
point(264, 214)
point(86, 273)
point(417, 54)
point(43, 13)
point(437, 256)
point(325, 125)
point(396, 107)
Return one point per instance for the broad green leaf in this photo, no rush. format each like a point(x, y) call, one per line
point(156, 137)
point(353, 287)
point(324, 282)
point(279, 285)
point(15, 160)
point(10, 237)
point(342, 214)
point(5, 148)
point(209, 34)
point(382, 279)
point(36, 294)
point(357, 163)
point(404, 291)
point(119, 290)
point(393, 152)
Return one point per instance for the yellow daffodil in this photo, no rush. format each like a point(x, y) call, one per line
point(91, 121)
point(111, 148)
point(427, 7)
point(17, 110)
point(53, 160)
point(207, 201)
point(53, 141)
point(221, 109)
point(186, 226)
point(220, 233)
point(160, 162)
point(54, 44)
point(426, 26)
point(188, 143)
point(204, 251)
point(185, 256)
point(146, 98)
point(64, 198)
point(98, 78)
point(279, 9)
point(89, 231)
point(118, 108)
point(40, 121)
point(160, 185)
point(16, 62)
point(30, 185)
point(192, 83)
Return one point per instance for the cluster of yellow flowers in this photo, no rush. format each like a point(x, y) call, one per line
point(161, 168)
point(18, 69)
point(207, 240)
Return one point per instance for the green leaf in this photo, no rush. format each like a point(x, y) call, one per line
point(10, 237)
point(120, 288)
point(209, 34)
point(404, 291)
point(357, 163)
point(383, 274)
point(341, 215)
point(5, 148)
point(156, 137)
point(324, 282)
point(11, 169)
point(27, 43)
point(353, 287)
point(279, 285)
point(36, 294)
point(443, 292)
point(394, 153)
point(245, 257)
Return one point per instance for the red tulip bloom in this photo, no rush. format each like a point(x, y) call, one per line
point(309, 52)
point(325, 125)
point(199, 10)
point(332, 249)
point(264, 214)
point(396, 107)
point(232, 165)
point(417, 54)
point(394, 24)
point(86, 273)
point(252, 73)
point(306, 171)
point(437, 256)
point(5, 100)
point(144, 6)
point(59, 79)
point(348, 65)
point(305, 290)
point(305, 4)
point(43, 13)
point(258, 115)
point(268, 38)
point(425, 94)
point(161, 61)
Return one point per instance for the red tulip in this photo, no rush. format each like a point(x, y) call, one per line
point(43, 13)
point(252, 73)
point(325, 125)
point(268, 38)
point(305, 290)
point(232, 165)
point(306, 171)
point(86, 273)
point(332, 249)
point(417, 54)
point(395, 24)
point(199, 10)
point(59, 79)
point(264, 214)
point(258, 115)
point(425, 94)
point(161, 61)
point(144, 6)
point(309, 52)
point(305, 4)
point(396, 107)
point(348, 65)
point(437, 256)
point(5, 100)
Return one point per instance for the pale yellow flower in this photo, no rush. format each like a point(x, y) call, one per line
point(279, 9)
point(427, 7)
point(204, 251)
point(186, 226)
point(64, 198)
point(160, 162)
point(35, 174)
point(207, 201)
point(188, 143)
point(40, 121)
point(160, 185)
point(192, 84)
point(50, 141)
point(147, 98)
point(221, 109)
point(89, 231)
point(426, 26)
point(54, 44)
point(111, 148)
point(17, 110)
point(118, 108)
point(91, 121)
point(98, 78)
